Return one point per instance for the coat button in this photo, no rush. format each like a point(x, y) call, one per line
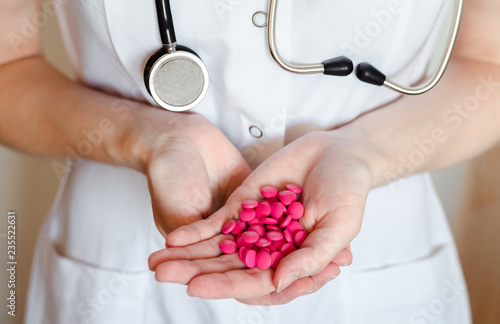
point(255, 131)
point(259, 19)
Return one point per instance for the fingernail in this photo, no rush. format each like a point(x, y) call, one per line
point(327, 280)
point(287, 281)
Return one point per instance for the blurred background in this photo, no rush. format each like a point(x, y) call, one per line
point(470, 194)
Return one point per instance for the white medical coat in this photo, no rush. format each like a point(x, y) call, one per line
point(91, 262)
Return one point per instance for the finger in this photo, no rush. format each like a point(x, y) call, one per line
point(344, 258)
point(200, 230)
point(183, 271)
point(248, 283)
point(300, 287)
point(335, 231)
point(203, 250)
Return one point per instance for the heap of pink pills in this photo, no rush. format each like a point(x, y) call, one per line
point(267, 230)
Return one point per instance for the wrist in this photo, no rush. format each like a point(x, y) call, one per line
point(364, 147)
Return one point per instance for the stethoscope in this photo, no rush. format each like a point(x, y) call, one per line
point(178, 80)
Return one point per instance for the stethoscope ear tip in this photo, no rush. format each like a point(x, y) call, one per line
point(338, 66)
point(369, 74)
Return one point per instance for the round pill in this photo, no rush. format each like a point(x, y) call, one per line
point(240, 243)
point(263, 242)
point(228, 227)
point(250, 258)
point(276, 257)
point(228, 246)
point(273, 228)
point(264, 249)
point(263, 260)
point(269, 221)
point(272, 200)
point(296, 210)
point(294, 188)
point(286, 221)
point(272, 248)
point(254, 221)
point(274, 235)
point(259, 229)
point(241, 253)
point(269, 191)
point(279, 244)
point(300, 237)
point(276, 210)
point(238, 227)
point(288, 236)
point(294, 227)
point(287, 197)
point(249, 203)
point(250, 237)
point(263, 209)
point(246, 214)
point(287, 248)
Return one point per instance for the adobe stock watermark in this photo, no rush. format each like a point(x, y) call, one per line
point(222, 7)
point(277, 123)
point(31, 25)
point(453, 119)
point(92, 306)
point(258, 315)
point(380, 20)
point(448, 295)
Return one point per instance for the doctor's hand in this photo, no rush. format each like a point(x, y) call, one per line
point(336, 178)
point(191, 166)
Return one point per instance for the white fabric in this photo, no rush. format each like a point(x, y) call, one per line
point(91, 265)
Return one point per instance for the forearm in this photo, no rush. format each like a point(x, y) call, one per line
point(43, 112)
point(456, 121)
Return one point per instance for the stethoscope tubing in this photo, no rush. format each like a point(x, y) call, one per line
point(319, 68)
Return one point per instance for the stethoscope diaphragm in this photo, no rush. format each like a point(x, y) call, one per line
point(177, 81)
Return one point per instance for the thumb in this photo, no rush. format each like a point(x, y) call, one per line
point(330, 236)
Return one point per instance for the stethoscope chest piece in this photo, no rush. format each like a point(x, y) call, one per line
point(177, 81)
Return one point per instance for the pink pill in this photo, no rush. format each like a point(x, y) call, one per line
point(294, 227)
point(276, 257)
point(228, 246)
point(228, 227)
point(246, 214)
point(294, 188)
point(279, 244)
point(296, 210)
point(263, 210)
point(250, 258)
point(263, 260)
point(249, 203)
point(241, 253)
point(274, 235)
point(300, 237)
point(269, 191)
point(272, 248)
point(250, 237)
point(259, 229)
point(242, 243)
point(272, 200)
point(286, 221)
point(287, 197)
point(263, 242)
point(272, 228)
point(287, 248)
point(276, 210)
point(254, 221)
point(288, 236)
point(238, 227)
point(269, 221)
point(264, 250)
